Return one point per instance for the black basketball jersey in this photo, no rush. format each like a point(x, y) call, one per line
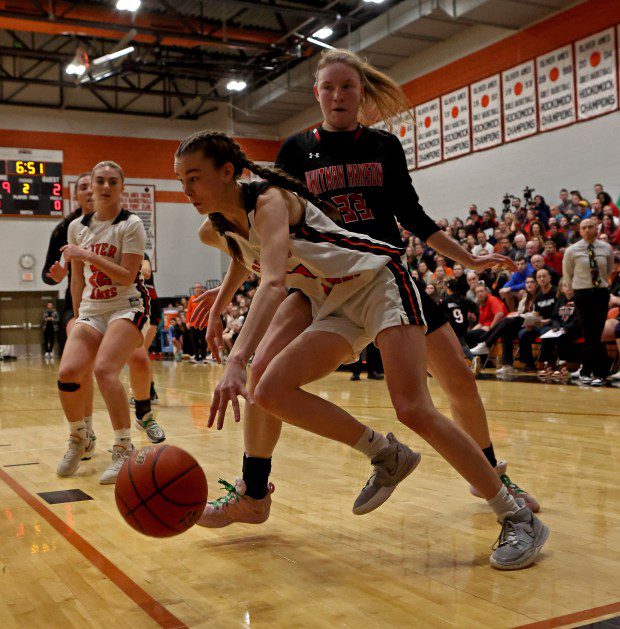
point(150, 283)
point(455, 309)
point(364, 174)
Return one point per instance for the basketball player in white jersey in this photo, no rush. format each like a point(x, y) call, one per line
point(105, 250)
point(140, 370)
point(360, 292)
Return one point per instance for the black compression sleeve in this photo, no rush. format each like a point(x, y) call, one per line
point(406, 202)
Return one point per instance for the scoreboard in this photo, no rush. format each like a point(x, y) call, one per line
point(30, 183)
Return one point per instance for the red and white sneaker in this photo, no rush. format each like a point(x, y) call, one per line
point(513, 489)
point(235, 506)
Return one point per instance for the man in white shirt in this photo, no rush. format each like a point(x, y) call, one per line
point(483, 244)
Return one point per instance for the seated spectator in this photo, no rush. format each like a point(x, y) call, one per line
point(423, 272)
point(510, 291)
point(581, 207)
point(491, 310)
point(554, 233)
point(543, 212)
point(470, 242)
point(538, 262)
point(483, 244)
point(605, 199)
point(461, 286)
point(508, 329)
point(472, 281)
point(439, 282)
point(519, 250)
point(488, 219)
point(565, 206)
point(610, 229)
point(537, 231)
point(441, 260)
point(552, 258)
point(503, 245)
point(572, 233)
point(538, 322)
point(420, 255)
point(556, 351)
point(532, 248)
point(431, 291)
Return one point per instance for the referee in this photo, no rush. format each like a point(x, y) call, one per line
point(587, 265)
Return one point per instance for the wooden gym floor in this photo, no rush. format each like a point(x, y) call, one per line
point(419, 561)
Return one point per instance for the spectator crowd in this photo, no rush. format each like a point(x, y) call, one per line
point(531, 310)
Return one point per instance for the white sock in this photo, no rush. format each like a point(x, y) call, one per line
point(503, 504)
point(89, 423)
point(371, 442)
point(78, 429)
point(122, 437)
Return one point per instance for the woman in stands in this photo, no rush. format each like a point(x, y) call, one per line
point(370, 184)
point(360, 292)
point(105, 250)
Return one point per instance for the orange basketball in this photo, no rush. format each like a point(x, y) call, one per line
point(161, 491)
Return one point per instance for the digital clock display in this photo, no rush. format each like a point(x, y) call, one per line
point(30, 186)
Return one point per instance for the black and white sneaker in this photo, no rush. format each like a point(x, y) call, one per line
point(154, 431)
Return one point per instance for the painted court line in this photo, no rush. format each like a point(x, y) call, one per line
point(129, 587)
point(568, 619)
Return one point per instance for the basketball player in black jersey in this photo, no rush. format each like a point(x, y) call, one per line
point(360, 291)
point(363, 172)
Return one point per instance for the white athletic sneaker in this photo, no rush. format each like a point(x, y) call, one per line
point(119, 456)
point(481, 349)
point(71, 460)
point(91, 437)
point(616, 376)
point(575, 375)
point(597, 382)
point(506, 370)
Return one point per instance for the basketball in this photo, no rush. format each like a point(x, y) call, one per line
point(161, 491)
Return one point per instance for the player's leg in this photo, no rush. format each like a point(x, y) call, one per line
point(121, 338)
point(141, 378)
point(403, 350)
point(75, 371)
point(311, 356)
point(447, 365)
point(261, 430)
point(148, 341)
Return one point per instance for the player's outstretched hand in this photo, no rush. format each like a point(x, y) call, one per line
point(480, 263)
point(57, 272)
point(231, 386)
point(203, 304)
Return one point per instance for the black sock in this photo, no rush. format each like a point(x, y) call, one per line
point(153, 392)
point(488, 453)
point(256, 476)
point(143, 407)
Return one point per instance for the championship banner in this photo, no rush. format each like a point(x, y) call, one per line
point(404, 129)
point(455, 123)
point(519, 92)
point(486, 113)
point(140, 199)
point(597, 91)
point(428, 133)
point(556, 88)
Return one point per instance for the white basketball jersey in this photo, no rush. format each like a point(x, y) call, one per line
point(326, 262)
point(124, 234)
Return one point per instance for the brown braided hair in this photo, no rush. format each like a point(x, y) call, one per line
point(223, 149)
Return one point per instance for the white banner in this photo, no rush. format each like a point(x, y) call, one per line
point(428, 133)
point(455, 123)
point(519, 92)
point(140, 199)
point(404, 129)
point(597, 91)
point(556, 88)
point(486, 113)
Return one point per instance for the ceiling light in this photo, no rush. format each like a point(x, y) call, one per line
point(374, 1)
point(76, 69)
point(113, 55)
point(127, 5)
point(236, 86)
point(319, 43)
point(323, 33)
point(79, 64)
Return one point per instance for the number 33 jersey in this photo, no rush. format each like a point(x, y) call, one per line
point(112, 238)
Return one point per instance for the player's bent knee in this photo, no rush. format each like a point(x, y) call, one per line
point(266, 395)
point(68, 387)
point(416, 416)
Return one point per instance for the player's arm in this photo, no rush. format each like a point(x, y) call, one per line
point(53, 272)
point(272, 224)
point(209, 236)
point(146, 269)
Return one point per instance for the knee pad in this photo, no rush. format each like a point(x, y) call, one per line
point(68, 387)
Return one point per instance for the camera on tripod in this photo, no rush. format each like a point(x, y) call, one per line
point(506, 202)
point(527, 194)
